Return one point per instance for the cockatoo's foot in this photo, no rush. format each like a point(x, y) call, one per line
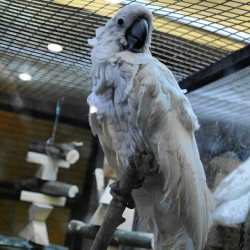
point(121, 199)
point(145, 163)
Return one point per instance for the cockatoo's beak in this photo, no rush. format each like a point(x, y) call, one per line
point(136, 35)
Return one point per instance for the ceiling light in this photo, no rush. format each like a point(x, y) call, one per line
point(25, 77)
point(56, 48)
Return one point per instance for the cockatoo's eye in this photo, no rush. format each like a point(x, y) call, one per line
point(120, 21)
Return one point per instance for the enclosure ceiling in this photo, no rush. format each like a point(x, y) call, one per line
point(189, 36)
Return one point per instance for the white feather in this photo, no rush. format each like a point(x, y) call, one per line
point(232, 196)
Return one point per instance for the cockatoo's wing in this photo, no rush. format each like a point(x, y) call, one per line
point(167, 123)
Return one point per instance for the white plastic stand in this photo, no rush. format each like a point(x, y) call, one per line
point(36, 230)
point(48, 166)
point(42, 205)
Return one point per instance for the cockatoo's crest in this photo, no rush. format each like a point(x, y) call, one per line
point(112, 38)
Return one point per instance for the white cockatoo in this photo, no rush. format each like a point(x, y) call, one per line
point(139, 107)
point(232, 196)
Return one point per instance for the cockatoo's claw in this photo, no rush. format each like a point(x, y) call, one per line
point(145, 163)
point(121, 199)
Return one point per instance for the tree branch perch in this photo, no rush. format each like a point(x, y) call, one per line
point(113, 217)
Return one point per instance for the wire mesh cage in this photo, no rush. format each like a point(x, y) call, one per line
point(189, 37)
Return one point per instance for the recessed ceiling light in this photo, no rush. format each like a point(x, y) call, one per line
point(56, 48)
point(25, 77)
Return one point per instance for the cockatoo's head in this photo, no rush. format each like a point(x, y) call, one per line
point(130, 29)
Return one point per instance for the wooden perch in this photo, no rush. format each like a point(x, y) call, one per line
point(120, 237)
point(55, 188)
point(59, 189)
point(64, 151)
point(113, 217)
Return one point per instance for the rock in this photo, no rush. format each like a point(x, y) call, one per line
point(221, 237)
